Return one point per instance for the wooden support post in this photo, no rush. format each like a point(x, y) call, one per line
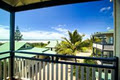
point(117, 33)
point(12, 44)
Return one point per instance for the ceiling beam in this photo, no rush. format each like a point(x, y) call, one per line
point(49, 4)
point(6, 6)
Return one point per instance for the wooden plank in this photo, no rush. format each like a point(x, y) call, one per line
point(100, 74)
point(25, 68)
point(87, 73)
point(71, 72)
point(0, 70)
point(56, 71)
point(66, 72)
point(77, 70)
point(112, 74)
point(33, 70)
point(106, 74)
point(36, 76)
point(29, 72)
point(93, 74)
point(40, 70)
point(5, 71)
point(43, 70)
point(22, 68)
point(61, 71)
point(82, 73)
point(52, 71)
point(48, 73)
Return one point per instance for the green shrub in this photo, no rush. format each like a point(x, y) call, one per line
point(84, 49)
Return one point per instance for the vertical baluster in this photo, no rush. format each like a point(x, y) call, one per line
point(14, 66)
point(26, 68)
point(77, 69)
point(36, 70)
point(71, 72)
point(61, 71)
point(56, 71)
point(5, 71)
point(93, 74)
point(52, 71)
point(66, 72)
point(0, 70)
point(22, 68)
point(19, 75)
point(112, 74)
point(100, 74)
point(106, 74)
point(40, 70)
point(33, 70)
point(87, 73)
point(43, 70)
point(48, 71)
point(82, 73)
point(29, 72)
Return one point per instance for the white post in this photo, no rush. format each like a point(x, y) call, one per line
point(117, 32)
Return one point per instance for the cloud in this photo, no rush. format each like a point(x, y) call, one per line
point(108, 28)
point(105, 9)
point(39, 34)
point(4, 33)
point(42, 35)
point(36, 34)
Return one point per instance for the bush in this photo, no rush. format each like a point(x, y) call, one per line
point(84, 49)
point(39, 45)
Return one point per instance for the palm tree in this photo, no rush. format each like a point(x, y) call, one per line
point(70, 46)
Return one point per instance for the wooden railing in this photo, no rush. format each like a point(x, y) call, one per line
point(106, 47)
point(58, 67)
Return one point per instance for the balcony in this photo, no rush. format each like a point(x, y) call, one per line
point(105, 47)
point(57, 67)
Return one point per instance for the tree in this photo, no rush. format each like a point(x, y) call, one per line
point(70, 46)
point(18, 35)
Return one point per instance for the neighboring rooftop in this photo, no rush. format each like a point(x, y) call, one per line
point(104, 33)
point(5, 47)
point(52, 44)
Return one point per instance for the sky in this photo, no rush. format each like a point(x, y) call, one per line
point(54, 22)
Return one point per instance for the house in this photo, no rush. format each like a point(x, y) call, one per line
point(106, 44)
point(52, 45)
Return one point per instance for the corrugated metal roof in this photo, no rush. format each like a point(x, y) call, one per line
point(6, 46)
point(40, 50)
point(18, 45)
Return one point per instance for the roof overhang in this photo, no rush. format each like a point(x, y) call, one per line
point(22, 5)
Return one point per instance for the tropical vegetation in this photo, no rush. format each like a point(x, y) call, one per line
point(18, 35)
point(70, 46)
point(39, 45)
point(75, 44)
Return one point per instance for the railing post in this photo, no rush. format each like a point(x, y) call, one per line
point(12, 44)
point(116, 69)
point(117, 32)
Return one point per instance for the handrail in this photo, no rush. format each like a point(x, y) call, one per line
point(103, 44)
point(113, 59)
point(4, 52)
point(71, 63)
